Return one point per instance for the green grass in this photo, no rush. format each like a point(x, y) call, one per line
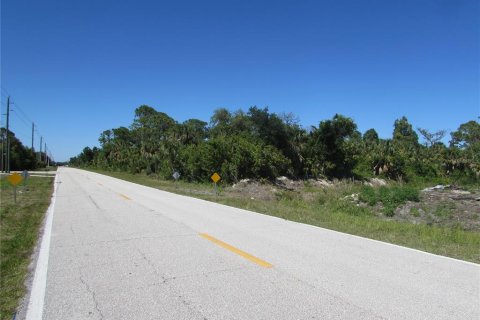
point(444, 210)
point(415, 212)
point(391, 197)
point(327, 208)
point(19, 227)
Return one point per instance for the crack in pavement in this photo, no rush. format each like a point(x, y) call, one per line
point(182, 299)
point(91, 199)
point(205, 274)
point(94, 298)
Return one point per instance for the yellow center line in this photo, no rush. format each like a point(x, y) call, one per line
point(124, 196)
point(247, 256)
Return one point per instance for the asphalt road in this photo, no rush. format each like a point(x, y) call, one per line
point(124, 251)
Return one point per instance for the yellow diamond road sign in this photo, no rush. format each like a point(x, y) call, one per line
point(14, 179)
point(215, 177)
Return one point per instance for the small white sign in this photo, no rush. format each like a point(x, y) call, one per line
point(176, 175)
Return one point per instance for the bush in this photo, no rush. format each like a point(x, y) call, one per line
point(368, 195)
point(390, 197)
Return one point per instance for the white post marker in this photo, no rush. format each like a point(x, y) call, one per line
point(25, 176)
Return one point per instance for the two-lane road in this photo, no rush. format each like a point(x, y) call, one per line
point(119, 250)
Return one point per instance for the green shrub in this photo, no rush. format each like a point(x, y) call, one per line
point(391, 197)
point(285, 195)
point(368, 195)
point(444, 210)
point(350, 208)
point(406, 193)
point(415, 212)
point(322, 198)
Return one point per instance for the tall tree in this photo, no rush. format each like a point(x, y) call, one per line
point(403, 132)
point(466, 143)
point(467, 135)
point(328, 153)
point(432, 138)
point(370, 137)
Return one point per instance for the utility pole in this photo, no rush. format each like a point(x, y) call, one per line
point(2, 156)
point(40, 154)
point(46, 156)
point(33, 130)
point(7, 162)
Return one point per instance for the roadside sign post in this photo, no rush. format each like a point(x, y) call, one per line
point(14, 180)
point(215, 178)
point(176, 175)
point(25, 176)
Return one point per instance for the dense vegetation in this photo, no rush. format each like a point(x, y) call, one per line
point(263, 145)
point(21, 157)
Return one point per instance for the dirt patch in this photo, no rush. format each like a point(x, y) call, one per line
point(447, 206)
point(252, 189)
point(268, 190)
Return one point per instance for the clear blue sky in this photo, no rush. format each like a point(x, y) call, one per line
point(80, 67)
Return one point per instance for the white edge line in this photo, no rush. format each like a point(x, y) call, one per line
point(37, 294)
point(305, 224)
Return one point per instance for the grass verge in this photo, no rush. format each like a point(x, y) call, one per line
point(19, 228)
point(328, 208)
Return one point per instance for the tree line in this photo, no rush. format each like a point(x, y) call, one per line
point(21, 157)
point(260, 144)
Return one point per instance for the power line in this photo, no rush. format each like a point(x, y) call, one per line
point(5, 93)
point(20, 133)
point(26, 122)
point(22, 137)
point(17, 106)
point(24, 116)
